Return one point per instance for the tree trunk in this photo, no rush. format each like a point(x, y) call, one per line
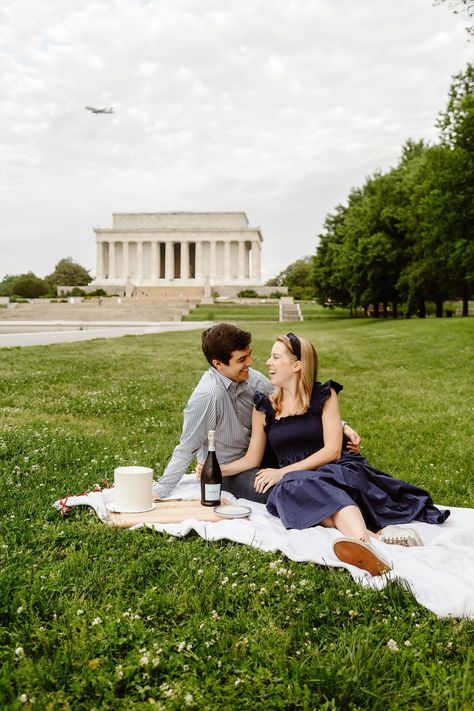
point(439, 307)
point(465, 306)
point(395, 309)
point(421, 309)
point(385, 310)
point(376, 310)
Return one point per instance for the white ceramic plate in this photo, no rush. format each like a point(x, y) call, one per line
point(113, 509)
point(232, 511)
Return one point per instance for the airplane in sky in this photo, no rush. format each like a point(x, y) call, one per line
point(105, 110)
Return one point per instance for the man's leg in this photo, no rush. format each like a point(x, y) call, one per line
point(242, 486)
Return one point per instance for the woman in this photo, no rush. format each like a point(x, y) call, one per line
point(316, 483)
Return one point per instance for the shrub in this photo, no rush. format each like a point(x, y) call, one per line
point(247, 294)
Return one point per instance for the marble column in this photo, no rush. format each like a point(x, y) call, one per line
point(169, 261)
point(155, 260)
point(125, 265)
point(184, 270)
point(198, 264)
point(100, 260)
point(212, 260)
point(112, 270)
point(255, 261)
point(241, 260)
point(139, 263)
point(227, 260)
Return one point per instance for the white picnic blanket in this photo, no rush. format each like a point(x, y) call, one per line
point(439, 574)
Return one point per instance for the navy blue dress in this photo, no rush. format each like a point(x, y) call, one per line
point(305, 498)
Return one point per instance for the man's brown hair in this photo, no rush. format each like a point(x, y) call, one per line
point(219, 341)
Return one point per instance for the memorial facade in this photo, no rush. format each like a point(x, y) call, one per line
point(214, 250)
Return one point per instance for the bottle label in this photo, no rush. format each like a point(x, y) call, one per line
point(212, 492)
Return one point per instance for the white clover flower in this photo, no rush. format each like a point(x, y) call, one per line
point(238, 681)
point(181, 646)
point(20, 609)
point(224, 580)
point(96, 621)
point(200, 572)
point(215, 615)
point(144, 659)
point(252, 586)
point(188, 699)
point(79, 612)
point(185, 667)
point(234, 585)
point(392, 645)
point(407, 643)
point(20, 652)
point(155, 661)
point(23, 698)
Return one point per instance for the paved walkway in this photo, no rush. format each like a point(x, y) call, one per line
point(31, 335)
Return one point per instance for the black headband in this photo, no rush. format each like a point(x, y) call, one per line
point(295, 344)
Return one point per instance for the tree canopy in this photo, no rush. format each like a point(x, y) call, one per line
point(298, 278)
point(408, 235)
point(68, 273)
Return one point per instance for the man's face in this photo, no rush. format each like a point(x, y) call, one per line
point(238, 366)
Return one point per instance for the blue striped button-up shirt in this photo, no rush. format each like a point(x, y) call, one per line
point(217, 403)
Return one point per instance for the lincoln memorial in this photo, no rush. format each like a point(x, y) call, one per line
point(217, 251)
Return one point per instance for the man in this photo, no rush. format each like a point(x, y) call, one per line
point(223, 401)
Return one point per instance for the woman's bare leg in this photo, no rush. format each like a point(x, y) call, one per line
point(350, 522)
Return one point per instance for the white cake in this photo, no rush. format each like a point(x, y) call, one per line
point(133, 489)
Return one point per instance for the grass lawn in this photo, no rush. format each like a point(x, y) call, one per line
point(99, 618)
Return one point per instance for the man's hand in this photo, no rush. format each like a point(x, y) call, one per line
point(354, 440)
point(198, 469)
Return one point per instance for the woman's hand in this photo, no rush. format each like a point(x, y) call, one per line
point(266, 478)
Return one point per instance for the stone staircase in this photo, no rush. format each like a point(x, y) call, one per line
point(289, 311)
point(110, 309)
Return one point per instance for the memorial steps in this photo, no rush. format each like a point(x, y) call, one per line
point(110, 310)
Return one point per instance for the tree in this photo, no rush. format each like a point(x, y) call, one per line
point(28, 286)
point(6, 284)
point(67, 273)
point(298, 278)
point(456, 122)
point(461, 5)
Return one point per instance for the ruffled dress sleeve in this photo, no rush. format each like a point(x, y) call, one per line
point(322, 392)
point(263, 404)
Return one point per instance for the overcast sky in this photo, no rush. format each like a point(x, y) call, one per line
point(273, 107)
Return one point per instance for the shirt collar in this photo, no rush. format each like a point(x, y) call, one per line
point(228, 383)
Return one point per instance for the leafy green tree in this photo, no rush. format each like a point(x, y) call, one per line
point(456, 122)
point(28, 286)
point(298, 278)
point(6, 284)
point(67, 273)
point(329, 277)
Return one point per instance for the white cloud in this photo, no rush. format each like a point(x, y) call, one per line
point(274, 107)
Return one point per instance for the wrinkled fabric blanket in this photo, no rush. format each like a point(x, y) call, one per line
point(439, 574)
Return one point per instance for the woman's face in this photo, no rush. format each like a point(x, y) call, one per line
point(281, 365)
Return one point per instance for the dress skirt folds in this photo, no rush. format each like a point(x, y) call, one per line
point(305, 498)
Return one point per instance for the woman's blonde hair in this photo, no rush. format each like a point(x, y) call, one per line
point(307, 374)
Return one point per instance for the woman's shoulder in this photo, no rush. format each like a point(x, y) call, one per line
point(322, 392)
point(262, 404)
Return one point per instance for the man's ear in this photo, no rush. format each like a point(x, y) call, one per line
point(217, 364)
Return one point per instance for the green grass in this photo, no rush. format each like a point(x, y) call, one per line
point(234, 312)
point(113, 619)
